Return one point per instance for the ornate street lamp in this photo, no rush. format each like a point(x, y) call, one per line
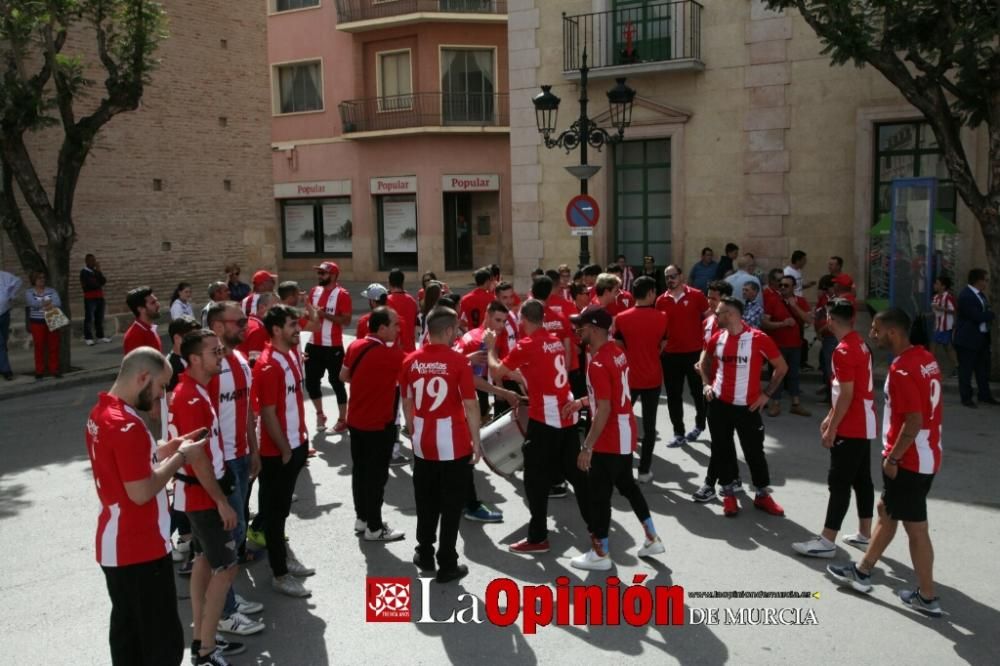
point(583, 132)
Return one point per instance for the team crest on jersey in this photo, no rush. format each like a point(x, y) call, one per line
point(92, 428)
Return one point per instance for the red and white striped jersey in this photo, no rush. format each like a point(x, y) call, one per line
point(277, 382)
point(438, 379)
point(512, 326)
point(914, 385)
point(249, 303)
point(122, 450)
point(231, 389)
point(334, 300)
point(191, 408)
point(738, 361)
point(607, 379)
point(710, 327)
point(944, 320)
point(852, 362)
point(541, 358)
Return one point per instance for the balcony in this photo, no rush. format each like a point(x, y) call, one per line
point(363, 15)
point(420, 113)
point(634, 40)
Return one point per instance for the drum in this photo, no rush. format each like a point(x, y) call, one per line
point(501, 440)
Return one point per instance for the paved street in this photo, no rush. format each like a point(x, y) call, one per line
point(56, 607)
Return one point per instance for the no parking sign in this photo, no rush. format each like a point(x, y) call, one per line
point(582, 214)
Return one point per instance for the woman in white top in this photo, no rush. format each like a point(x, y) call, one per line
point(180, 301)
point(40, 299)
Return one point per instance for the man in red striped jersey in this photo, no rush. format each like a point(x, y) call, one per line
point(330, 307)
point(553, 440)
point(231, 391)
point(374, 361)
point(277, 389)
point(642, 330)
point(255, 336)
point(606, 456)
point(685, 307)
point(730, 366)
point(133, 528)
point(472, 307)
point(442, 412)
point(263, 283)
point(202, 492)
point(911, 457)
point(847, 431)
point(717, 289)
point(624, 299)
point(945, 308)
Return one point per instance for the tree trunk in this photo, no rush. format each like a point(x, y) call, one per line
point(57, 254)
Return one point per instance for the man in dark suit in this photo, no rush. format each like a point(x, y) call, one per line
point(972, 339)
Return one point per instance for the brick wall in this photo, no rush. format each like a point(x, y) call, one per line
point(204, 120)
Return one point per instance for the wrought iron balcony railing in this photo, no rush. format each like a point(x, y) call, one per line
point(365, 10)
point(655, 33)
point(425, 110)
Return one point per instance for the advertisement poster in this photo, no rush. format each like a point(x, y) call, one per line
point(337, 227)
point(300, 232)
point(399, 224)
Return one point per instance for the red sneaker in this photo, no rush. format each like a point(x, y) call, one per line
point(767, 503)
point(311, 452)
point(340, 426)
point(730, 507)
point(526, 547)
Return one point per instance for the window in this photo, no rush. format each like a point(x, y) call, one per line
point(287, 5)
point(300, 87)
point(317, 226)
point(910, 150)
point(397, 230)
point(643, 201)
point(394, 85)
point(467, 86)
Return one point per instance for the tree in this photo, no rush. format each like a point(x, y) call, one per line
point(944, 57)
point(41, 86)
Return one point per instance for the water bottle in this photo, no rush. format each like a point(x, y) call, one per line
point(480, 370)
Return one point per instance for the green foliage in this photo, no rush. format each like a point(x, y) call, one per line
point(954, 44)
point(39, 81)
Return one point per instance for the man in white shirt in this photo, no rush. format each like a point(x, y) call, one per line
point(741, 277)
point(794, 269)
point(9, 286)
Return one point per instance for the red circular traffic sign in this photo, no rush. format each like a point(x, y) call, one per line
point(582, 211)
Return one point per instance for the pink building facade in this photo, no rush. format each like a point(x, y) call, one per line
point(390, 136)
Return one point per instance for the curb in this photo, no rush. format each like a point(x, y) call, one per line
point(79, 378)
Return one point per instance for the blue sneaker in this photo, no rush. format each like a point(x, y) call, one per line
point(694, 434)
point(848, 575)
point(483, 514)
point(913, 599)
point(677, 442)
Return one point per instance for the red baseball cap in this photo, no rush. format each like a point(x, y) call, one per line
point(329, 267)
point(843, 280)
point(263, 276)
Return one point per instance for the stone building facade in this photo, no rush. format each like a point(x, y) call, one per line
point(742, 131)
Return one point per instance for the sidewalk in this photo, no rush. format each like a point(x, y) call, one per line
point(101, 361)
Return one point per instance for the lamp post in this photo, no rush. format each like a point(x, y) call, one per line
point(584, 132)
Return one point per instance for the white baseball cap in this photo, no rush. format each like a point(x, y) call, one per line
point(374, 291)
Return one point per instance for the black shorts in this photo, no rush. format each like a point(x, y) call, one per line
point(212, 540)
point(905, 497)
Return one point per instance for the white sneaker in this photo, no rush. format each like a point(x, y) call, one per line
point(815, 547)
point(857, 540)
point(105, 340)
point(89, 343)
point(359, 526)
point(645, 478)
point(290, 586)
point(653, 546)
point(248, 607)
point(591, 561)
point(384, 534)
point(298, 569)
point(240, 624)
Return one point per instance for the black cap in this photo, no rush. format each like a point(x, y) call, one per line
point(594, 315)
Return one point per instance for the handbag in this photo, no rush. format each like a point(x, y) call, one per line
point(55, 319)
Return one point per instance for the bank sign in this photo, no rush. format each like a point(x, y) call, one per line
point(483, 182)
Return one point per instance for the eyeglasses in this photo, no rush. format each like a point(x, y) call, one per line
point(239, 322)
